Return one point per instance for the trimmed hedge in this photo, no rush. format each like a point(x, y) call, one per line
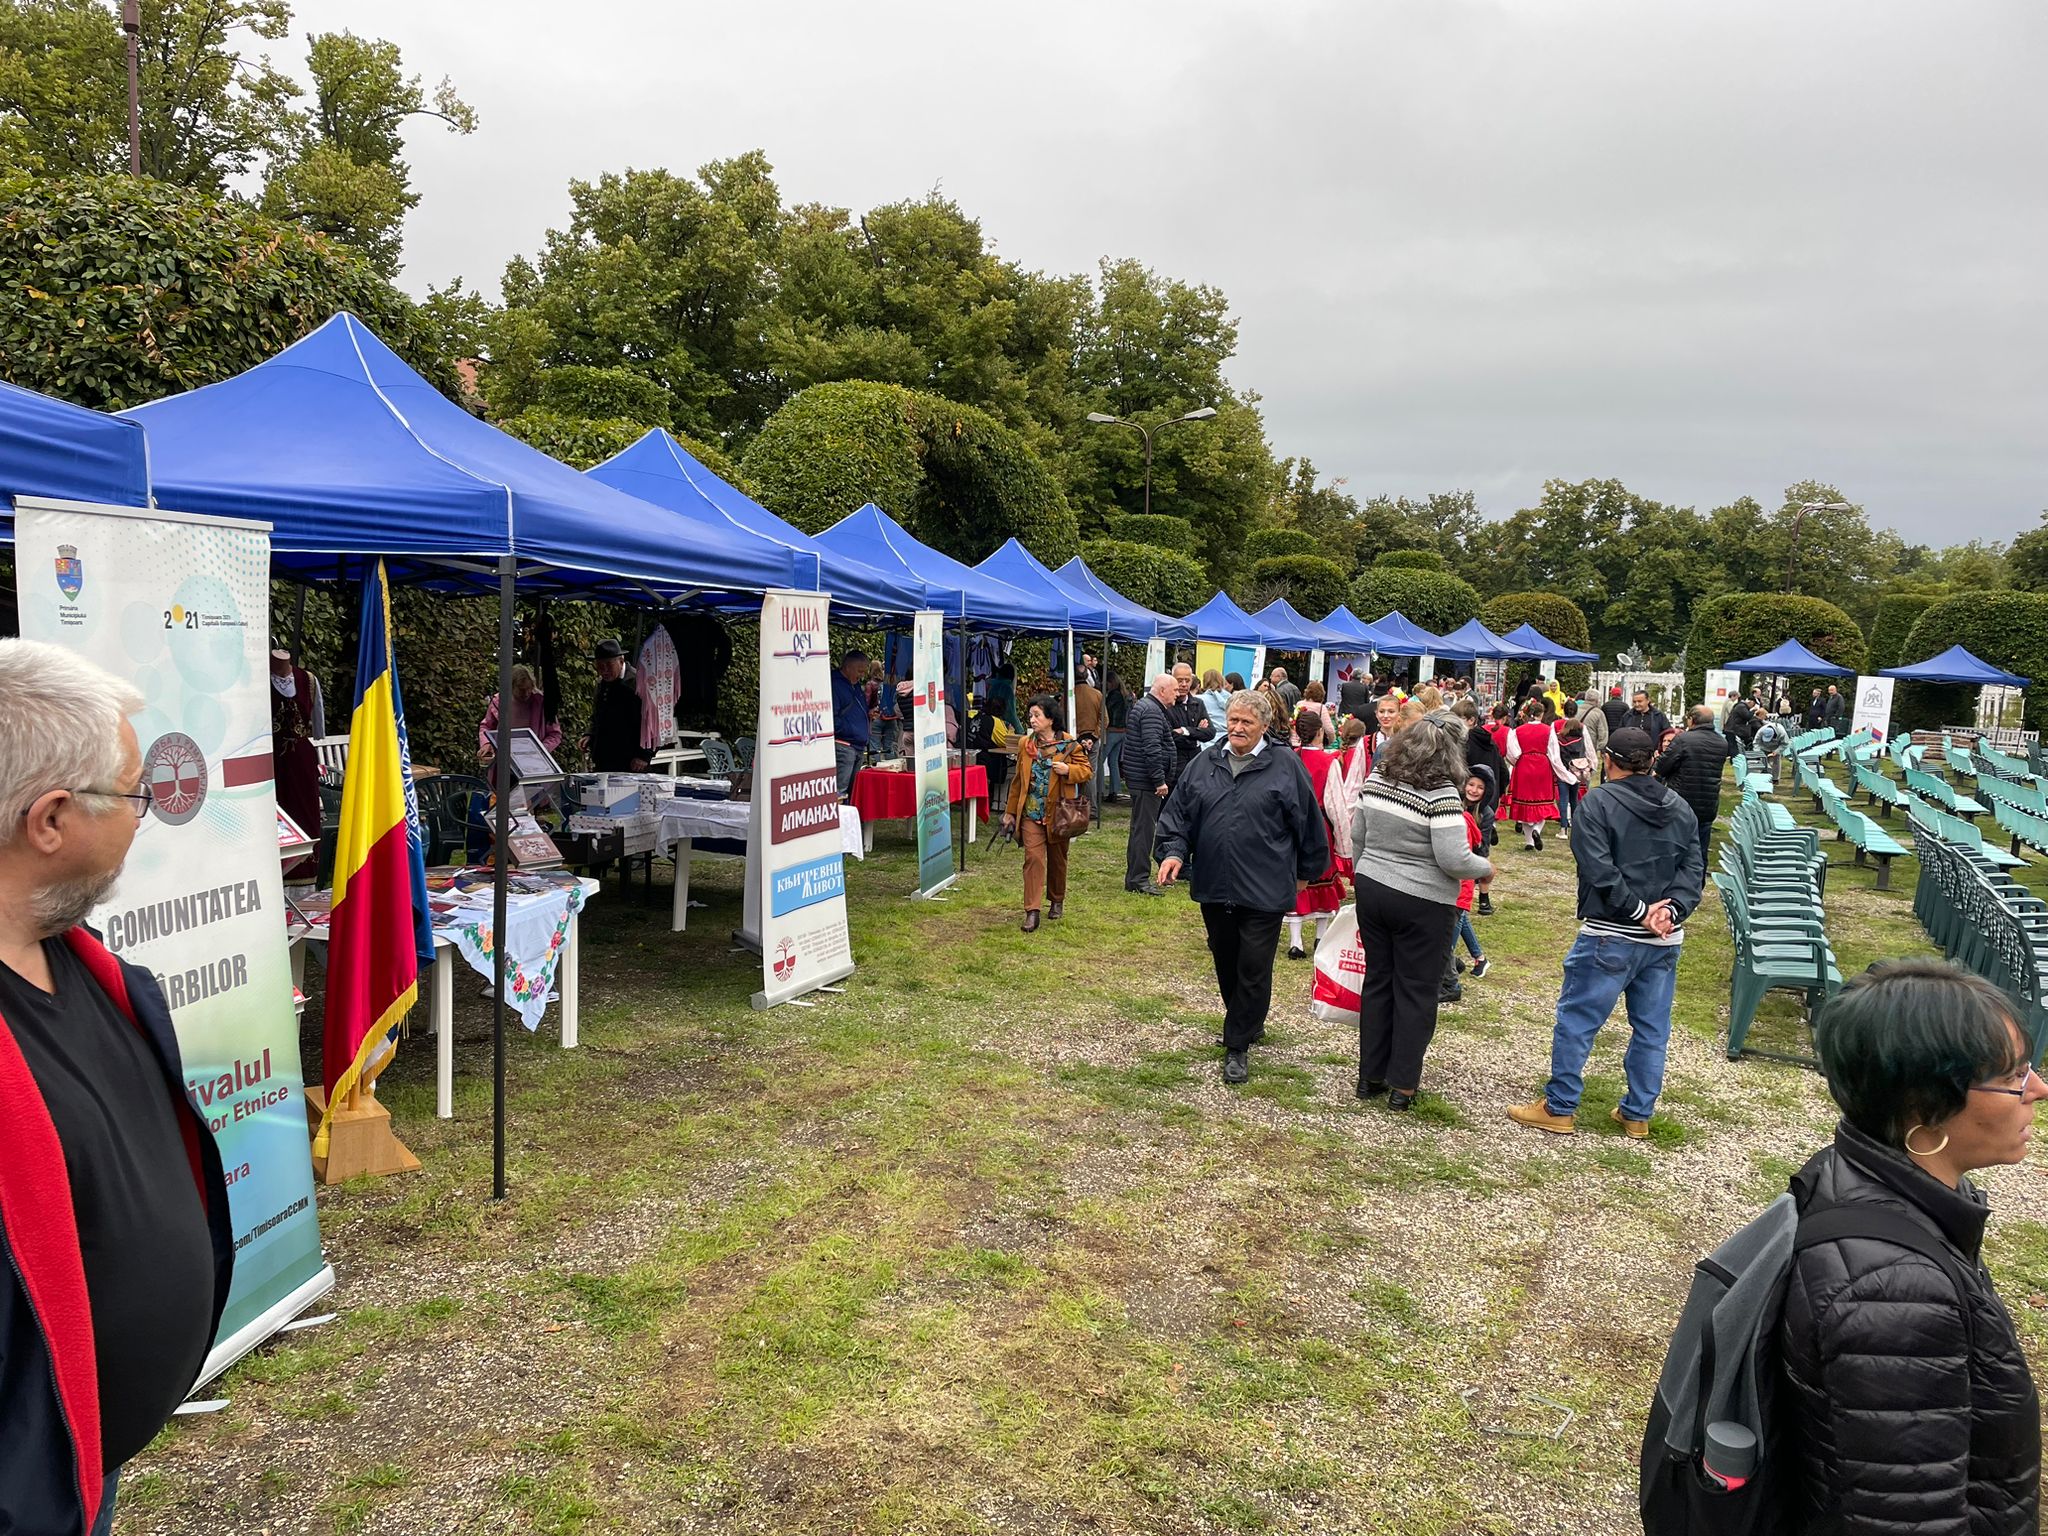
point(581, 443)
point(1896, 616)
point(604, 394)
point(1433, 599)
point(1557, 618)
point(1312, 584)
point(1273, 543)
point(116, 291)
point(2007, 629)
point(1156, 529)
point(955, 476)
point(1739, 624)
point(1410, 560)
point(1158, 578)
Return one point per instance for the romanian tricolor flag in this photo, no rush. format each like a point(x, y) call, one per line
point(380, 878)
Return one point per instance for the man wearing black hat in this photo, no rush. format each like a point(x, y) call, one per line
point(1637, 847)
point(614, 739)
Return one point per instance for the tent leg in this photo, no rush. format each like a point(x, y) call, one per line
point(960, 821)
point(501, 858)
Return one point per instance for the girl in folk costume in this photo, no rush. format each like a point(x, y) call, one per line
point(1535, 769)
point(1325, 893)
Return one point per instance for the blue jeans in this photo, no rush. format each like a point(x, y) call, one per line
point(849, 757)
point(1468, 934)
point(1597, 973)
point(1112, 755)
point(105, 1524)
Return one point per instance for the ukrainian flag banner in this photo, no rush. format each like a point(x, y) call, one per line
point(379, 875)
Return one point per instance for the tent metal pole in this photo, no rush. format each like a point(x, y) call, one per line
point(945, 690)
point(501, 858)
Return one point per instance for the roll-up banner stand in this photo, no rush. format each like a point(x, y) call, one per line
point(796, 883)
point(180, 607)
point(1873, 706)
point(928, 726)
point(1343, 666)
point(1155, 662)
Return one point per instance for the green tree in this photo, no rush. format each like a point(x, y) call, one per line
point(343, 170)
point(2007, 629)
point(1436, 601)
point(1310, 583)
point(1897, 613)
point(209, 112)
point(2027, 559)
point(115, 291)
point(1736, 625)
point(1554, 618)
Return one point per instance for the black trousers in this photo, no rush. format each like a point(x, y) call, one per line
point(1406, 941)
point(1145, 806)
point(1242, 942)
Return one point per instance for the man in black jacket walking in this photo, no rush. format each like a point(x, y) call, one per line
point(1637, 848)
point(1149, 766)
point(1692, 765)
point(1615, 711)
point(1643, 717)
point(1246, 817)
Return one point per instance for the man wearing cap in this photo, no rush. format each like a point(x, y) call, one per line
point(1615, 709)
point(850, 718)
point(614, 739)
point(1637, 847)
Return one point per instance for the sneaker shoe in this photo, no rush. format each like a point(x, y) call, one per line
point(1235, 1068)
point(1454, 995)
point(1536, 1115)
point(1480, 966)
point(1486, 904)
point(1459, 962)
point(1637, 1130)
point(1295, 952)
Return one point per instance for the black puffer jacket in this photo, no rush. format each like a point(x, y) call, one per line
point(1148, 757)
point(1692, 765)
point(1909, 1421)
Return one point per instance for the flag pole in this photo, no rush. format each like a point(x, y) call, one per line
point(501, 774)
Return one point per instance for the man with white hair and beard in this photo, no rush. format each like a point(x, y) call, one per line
point(115, 1245)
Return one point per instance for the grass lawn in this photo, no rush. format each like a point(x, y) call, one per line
point(984, 1245)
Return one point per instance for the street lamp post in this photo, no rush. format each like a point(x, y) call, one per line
point(1145, 434)
point(1792, 552)
point(131, 23)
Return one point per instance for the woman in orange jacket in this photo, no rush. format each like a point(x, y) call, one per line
point(1051, 765)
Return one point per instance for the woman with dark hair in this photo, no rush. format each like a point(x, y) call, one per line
point(1116, 709)
point(1325, 893)
point(1051, 764)
point(1411, 818)
point(1908, 1390)
point(1535, 769)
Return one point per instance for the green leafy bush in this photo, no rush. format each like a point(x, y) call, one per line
point(1555, 618)
point(1312, 584)
point(1409, 560)
point(604, 394)
point(2007, 629)
point(582, 443)
point(1433, 599)
point(1272, 543)
point(956, 477)
point(1156, 529)
point(115, 291)
point(1739, 624)
point(1158, 578)
point(1896, 616)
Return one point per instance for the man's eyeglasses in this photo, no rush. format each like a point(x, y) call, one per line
point(142, 798)
point(2026, 1076)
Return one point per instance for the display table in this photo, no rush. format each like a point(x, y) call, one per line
point(881, 794)
point(541, 924)
point(722, 826)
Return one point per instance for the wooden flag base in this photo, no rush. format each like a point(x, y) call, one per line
point(359, 1139)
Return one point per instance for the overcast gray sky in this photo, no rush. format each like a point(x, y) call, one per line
point(1710, 247)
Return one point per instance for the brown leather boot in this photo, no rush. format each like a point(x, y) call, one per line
point(1031, 921)
point(1536, 1115)
point(1637, 1129)
point(1052, 912)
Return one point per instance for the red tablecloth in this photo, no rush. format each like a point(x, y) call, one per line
point(880, 795)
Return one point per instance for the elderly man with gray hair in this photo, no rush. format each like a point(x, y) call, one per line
point(1150, 765)
point(115, 1245)
point(1248, 821)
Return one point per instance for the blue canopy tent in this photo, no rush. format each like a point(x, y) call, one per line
point(347, 452)
point(1128, 620)
point(964, 594)
point(660, 470)
point(1955, 665)
point(68, 453)
point(350, 456)
point(1302, 634)
point(1530, 638)
point(1473, 641)
point(1018, 567)
point(1399, 637)
point(1348, 631)
point(1790, 659)
point(1222, 621)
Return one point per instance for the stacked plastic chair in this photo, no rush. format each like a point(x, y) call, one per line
point(1987, 922)
point(1770, 882)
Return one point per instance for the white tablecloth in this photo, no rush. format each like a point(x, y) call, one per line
point(536, 929)
point(696, 819)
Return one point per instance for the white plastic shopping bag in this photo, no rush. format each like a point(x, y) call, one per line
point(1340, 967)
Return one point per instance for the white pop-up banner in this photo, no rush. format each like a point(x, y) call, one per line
point(1873, 706)
point(796, 881)
point(180, 607)
point(928, 724)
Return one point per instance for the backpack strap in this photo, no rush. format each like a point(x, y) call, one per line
point(1833, 1222)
